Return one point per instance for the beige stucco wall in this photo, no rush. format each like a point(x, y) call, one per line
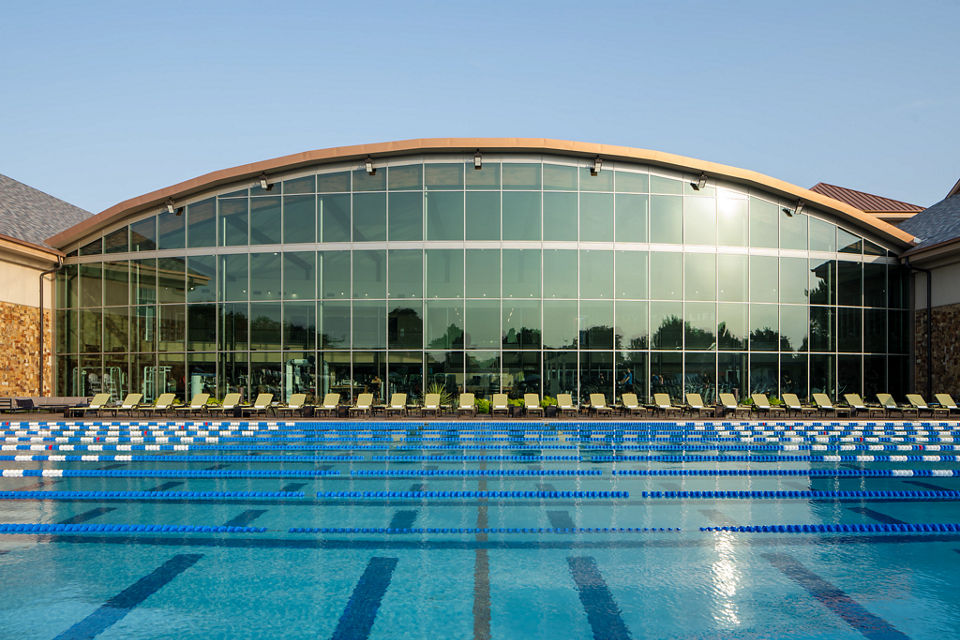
point(19, 283)
point(946, 286)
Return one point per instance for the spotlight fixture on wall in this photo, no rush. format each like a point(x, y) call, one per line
point(179, 211)
point(801, 205)
point(597, 165)
point(368, 164)
point(477, 160)
point(266, 186)
point(700, 183)
point(170, 208)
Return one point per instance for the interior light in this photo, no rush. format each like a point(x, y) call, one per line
point(597, 165)
point(477, 160)
point(368, 163)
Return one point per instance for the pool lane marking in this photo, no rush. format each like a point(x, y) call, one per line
point(217, 467)
point(293, 486)
point(87, 515)
point(545, 486)
point(481, 572)
point(719, 517)
point(926, 485)
point(166, 486)
point(603, 614)
point(835, 599)
point(876, 515)
point(245, 518)
point(403, 519)
point(561, 520)
point(358, 616)
point(121, 604)
point(418, 486)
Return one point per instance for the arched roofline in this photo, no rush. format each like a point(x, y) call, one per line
point(382, 150)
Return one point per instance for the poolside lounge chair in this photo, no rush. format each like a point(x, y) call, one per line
point(96, 405)
point(296, 404)
point(947, 402)
point(231, 402)
point(890, 405)
point(531, 404)
point(825, 404)
point(398, 404)
point(129, 404)
point(499, 404)
point(917, 401)
point(630, 405)
point(598, 404)
point(792, 403)
point(197, 404)
point(695, 404)
point(857, 405)
point(163, 404)
point(259, 406)
point(329, 406)
point(467, 404)
point(729, 404)
point(565, 404)
point(762, 403)
point(364, 405)
point(663, 405)
point(431, 404)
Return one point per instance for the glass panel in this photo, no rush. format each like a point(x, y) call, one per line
point(560, 216)
point(898, 376)
point(631, 274)
point(300, 375)
point(666, 219)
point(265, 220)
point(444, 325)
point(143, 235)
point(369, 325)
point(793, 231)
point(233, 221)
point(483, 373)
point(333, 182)
point(875, 330)
point(117, 241)
point(202, 224)
point(848, 242)
point(560, 373)
point(874, 284)
point(405, 325)
point(369, 274)
point(732, 374)
point(849, 329)
point(300, 325)
point(871, 249)
point(405, 273)
point(628, 181)
point(521, 176)
point(874, 376)
point(596, 375)
point(299, 219)
point(115, 283)
point(116, 369)
point(764, 279)
point(171, 374)
point(897, 338)
point(632, 374)
point(596, 274)
point(91, 284)
point(483, 215)
point(235, 374)
point(521, 324)
point(266, 374)
point(666, 374)
point(560, 326)
point(521, 373)
point(700, 273)
point(483, 273)
point(406, 216)
point(333, 375)
point(823, 335)
point(265, 276)
point(764, 217)
point(602, 181)
point(700, 221)
point(668, 283)
point(700, 376)
point(172, 327)
point(444, 215)
point(632, 328)
point(732, 277)
point(700, 323)
point(823, 235)
point(482, 324)
point(631, 218)
point(170, 230)
point(265, 326)
point(202, 327)
point(369, 370)
point(732, 326)
point(444, 370)
point(559, 273)
point(145, 325)
point(406, 177)
point(333, 213)
point(405, 374)
point(666, 325)
point(523, 269)
point(849, 286)
point(732, 219)
point(234, 327)
point(823, 282)
point(897, 279)
point(849, 372)
point(202, 279)
point(596, 325)
point(486, 177)
point(171, 279)
point(793, 375)
point(334, 267)
point(369, 217)
point(764, 374)
point(559, 177)
point(142, 376)
point(763, 327)
point(334, 325)
point(521, 216)
point(793, 280)
point(596, 217)
point(306, 184)
point(363, 181)
point(299, 275)
point(444, 273)
point(660, 184)
point(444, 176)
point(793, 328)
point(115, 328)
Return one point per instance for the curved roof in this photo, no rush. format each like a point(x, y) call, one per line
point(469, 145)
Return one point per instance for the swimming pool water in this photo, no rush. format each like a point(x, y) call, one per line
point(381, 552)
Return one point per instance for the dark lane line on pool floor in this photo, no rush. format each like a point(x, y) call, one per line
point(926, 485)
point(87, 515)
point(876, 515)
point(603, 614)
point(835, 599)
point(293, 486)
point(545, 486)
point(481, 573)
point(560, 520)
point(403, 519)
point(121, 604)
point(719, 518)
point(244, 518)
point(358, 616)
point(166, 486)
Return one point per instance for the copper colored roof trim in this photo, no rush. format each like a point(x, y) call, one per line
point(864, 201)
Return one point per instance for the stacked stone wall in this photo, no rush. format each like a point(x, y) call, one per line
point(19, 350)
point(946, 351)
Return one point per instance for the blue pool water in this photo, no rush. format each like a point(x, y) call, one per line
point(479, 530)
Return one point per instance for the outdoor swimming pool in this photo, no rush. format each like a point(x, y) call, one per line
point(479, 529)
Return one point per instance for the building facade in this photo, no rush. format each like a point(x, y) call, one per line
point(486, 266)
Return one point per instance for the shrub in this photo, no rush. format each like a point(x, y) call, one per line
point(445, 396)
point(515, 402)
point(483, 406)
point(548, 401)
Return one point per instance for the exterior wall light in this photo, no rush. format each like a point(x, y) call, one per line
point(266, 186)
point(368, 164)
point(801, 205)
point(700, 183)
point(170, 208)
point(597, 165)
point(477, 160)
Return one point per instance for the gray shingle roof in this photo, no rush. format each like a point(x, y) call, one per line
point(936, 224)
point(32, 215)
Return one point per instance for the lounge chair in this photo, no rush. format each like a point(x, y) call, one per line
point(130, 404)
point(329, 406)
point(259, 406)
point(857, 405)
point(467, 404)
point(630, 405)
point(364, 405)
point(197, 404)
point(695, 404)
point(231, 402)
point(296, 404)
point(565, 404)
point(890, 405)
point(947, 402)
point(663, 405)
point(531, 404)
point(431, 404)
point(96, 405)
point(917, 401)
point(729, 404)
point(762, 403)
point(398, 404)
point(598, 404)
point(163, 404)
point(499, 404)
point(792, 403)
point(824, 405)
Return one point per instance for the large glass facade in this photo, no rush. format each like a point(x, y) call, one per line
point(529, 274)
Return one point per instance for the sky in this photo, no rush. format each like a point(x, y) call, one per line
point(104, 101)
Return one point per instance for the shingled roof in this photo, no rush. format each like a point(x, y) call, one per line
point(865, 201)
point(32, 215)
point(937, 224)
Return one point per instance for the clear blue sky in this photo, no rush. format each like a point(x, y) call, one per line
point(102, 101)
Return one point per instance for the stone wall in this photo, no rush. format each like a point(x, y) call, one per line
point(946, 351)
point(19, 350)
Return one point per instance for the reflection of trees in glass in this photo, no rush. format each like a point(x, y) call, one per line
point(525, 338)
point(669, 335)
point(404, 328)
point(451, 339)
point(727, 340)
point(596, 337)
point(764, 339)
point(636, 343)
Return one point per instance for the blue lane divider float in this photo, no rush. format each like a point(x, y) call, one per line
point(840, 528)
point(146, 495)
point(475, 458)
point(474, 494)
point(166, 473)
point(473, 530)
point(821, 473)
point(473, 472)
point(122, 528)
point(178, 458)
point(773, 458)
point(804, 495)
